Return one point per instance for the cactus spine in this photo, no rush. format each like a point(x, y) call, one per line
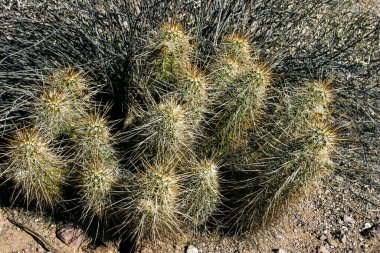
point(149, 202)
point(202, 194)
point(62, 102)
point(35, 167)
point(240, 86)
point(283, 177)
point(99, 168)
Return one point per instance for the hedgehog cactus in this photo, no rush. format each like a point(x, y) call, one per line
point(237, 47)
point(99, 168)
point(35, 167)
point(148, 202)
point(202, 194)
point(71, 82)
point(54, 112)
point(239, 86)
point(96, 181)
point(169, 55)
point(164, 132)
point(240, 107)
point(298, 153)
point(232, 59)
point(192, 93)
point(92, 137)
point(282, 177)
point(186, 119)
point(308, 103)
point(62, 102)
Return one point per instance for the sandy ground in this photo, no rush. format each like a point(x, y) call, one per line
point(333, 218)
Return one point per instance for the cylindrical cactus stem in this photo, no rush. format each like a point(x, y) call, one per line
point(164, 132)
point(223, 72)
point(237, 47)
point(297, 107)
point(232, 59)
point(55, 112)
point(148, 202)
point(282, 178)
point(97, 179)
point(61, 102)
point(240, 107)
point(71, 82)
point(169, 56)
point(239, 85)
point(99, 167)
point(93, 137)
point(320, 140)
point(192, 93)
point(35, 167)
point(201, 194)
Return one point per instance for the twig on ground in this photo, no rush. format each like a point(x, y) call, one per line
point(36, 236)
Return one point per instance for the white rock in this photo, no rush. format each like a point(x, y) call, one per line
point(344, 239)
point(279, 236)
point(322, 249)
point(191, 249)
point(349, 219)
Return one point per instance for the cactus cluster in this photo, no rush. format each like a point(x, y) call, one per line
point(196, 139)
point(68, 142)
point(288, 154)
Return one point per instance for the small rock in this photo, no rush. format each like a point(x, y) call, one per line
point(71, 236)
point(343, 239)
point(322, 237)
point(375, 230)
point(191, 249)
point(349, 219)
point(279, 251)
point(367, 225)
point(344, 229)
point(371, 231)
point(332, 242)
point(279, 236)
point(322, 249)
